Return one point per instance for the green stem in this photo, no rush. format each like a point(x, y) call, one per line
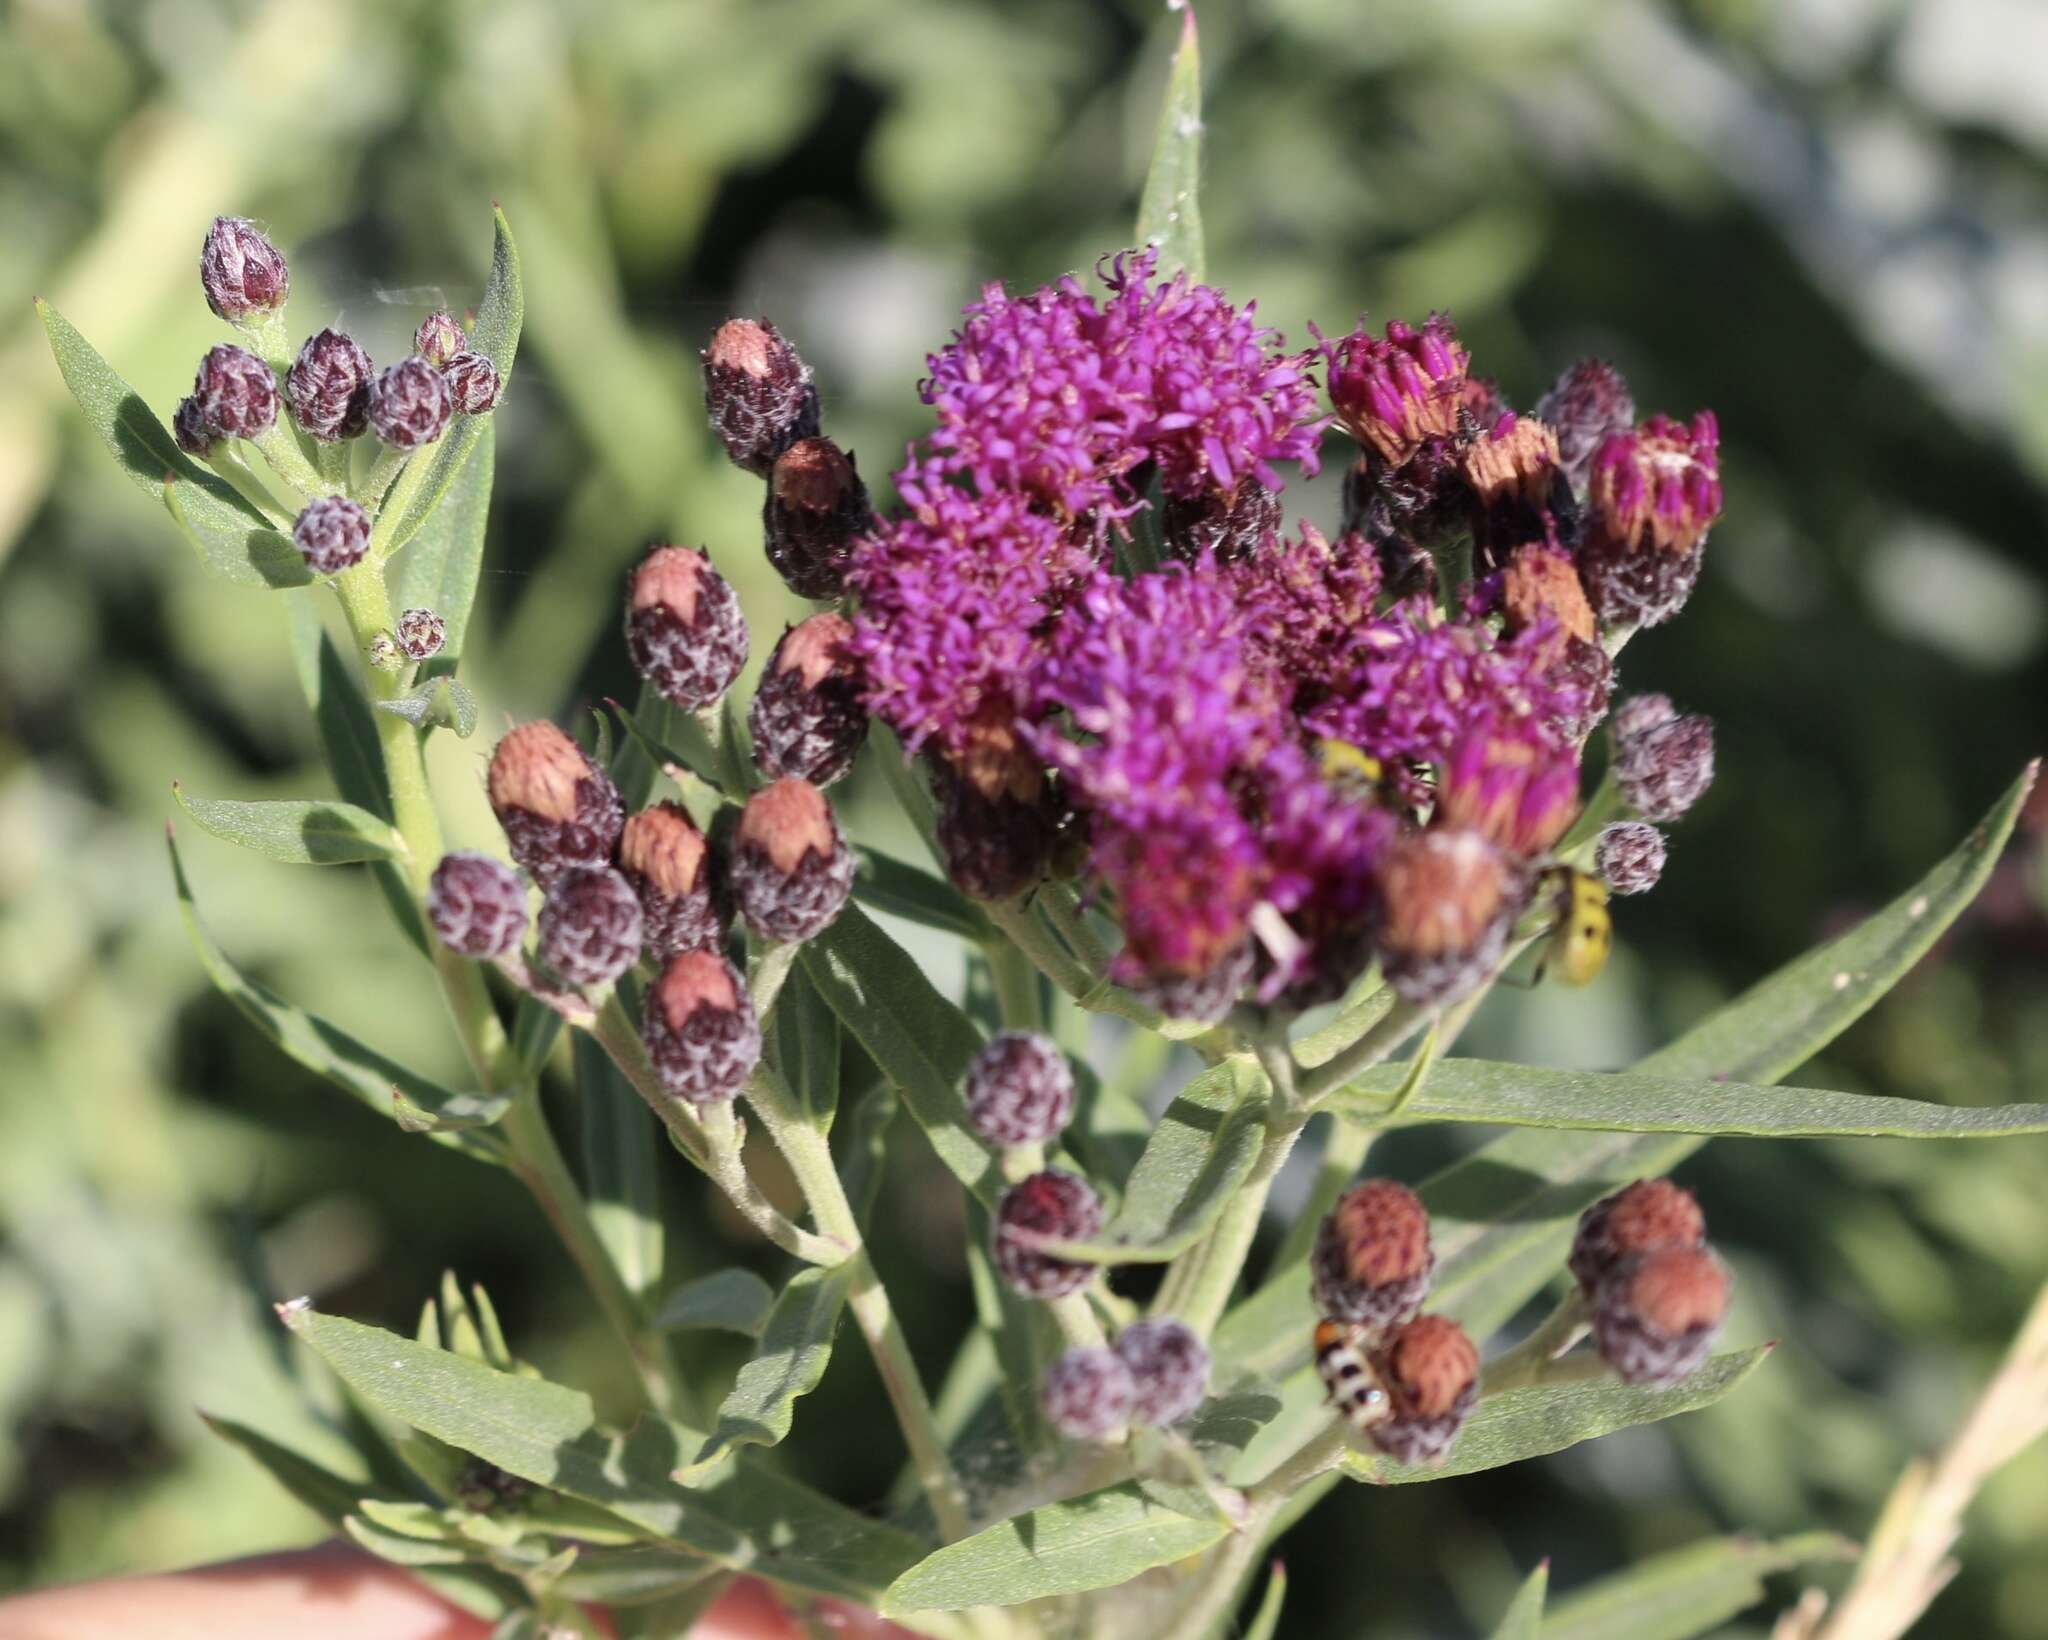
point(384, 470)
point(281, 449)
point(908, 789)
point(1063, 906)
point(225, 459)
point(1076, 1320)
point(1016, 986)
point(1394, 1028)
point(1344, 1153)
point(1536, 1359)
point(1216, 1261)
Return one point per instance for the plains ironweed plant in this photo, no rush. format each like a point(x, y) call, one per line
point(1292, 802)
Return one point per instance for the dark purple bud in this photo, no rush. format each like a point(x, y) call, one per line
point(807, 718)
point(1052, 1203)
point(816, 508)
point(1447, 899)
point(236, 393)
point(758, 392)
point(189, 427)
point(1629, 856)
point(996, 835)
point(332, 534)
point(1589, 405)
point(672, 868)
point(590, 927)
point(1372, 1259)
point(1430, 1369)
point(699, 1026)
point(242, 273)
point(1656, 1315)
point(328, 387)
point(1020, 1089)
point(1230, 526)
point(476, 904)
point(1638, 713)
point(1638, 1218)
point(473, 383)
point(410, 404)
point(1664, 770)
point(791, 870)
point(439, 339)
point(1088, 1394)
point(1205, 996)
point(684, 628)
point(421, 633)
point(1169, 1366)
point(559, 809)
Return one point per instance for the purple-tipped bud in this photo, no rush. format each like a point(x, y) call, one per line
point(1664, 770)
point(1638, 713)
point(590, 927)
point(1447, 899)
point(559, 810)
point(476, 904)
point(439, 338)
point(1430, 1370)
point(1589, 405)
point(1231, 526)
point(473, 383)
point(421, 634)
point(242, 272)
point(997, 828)
point(758, 393)
point(1372, 1258)
point(816, 508)
point(1394, 392)
point(332, 534)
point(1629, 856)
point(1020, 1089)
point(1512, 787)
point(791, 869)
point(328, 387)
point(702, 1036)
point(1656, 1315)
point(1642, 1217)
point(684, 628)
point(672, 868)
point(1169, 1369)
point(807, 718)
point(1650, 498)
point(410, 405)
point(236, 393)
point(1088, 1394)
point(189, 427)
point(1052, 1203)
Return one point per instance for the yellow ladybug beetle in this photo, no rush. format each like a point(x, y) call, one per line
point(1344, 764)
point(1584, 931)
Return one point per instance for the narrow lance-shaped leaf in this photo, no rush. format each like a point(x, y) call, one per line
point(440, 568)
point(887, 884)
point(297, 831)
point(789, 1362)
point(735, 1300)
point(1688, 1592)
point(621, 1172)
point(1266, 1623)
point(1523, 1620)
point(1169, 211)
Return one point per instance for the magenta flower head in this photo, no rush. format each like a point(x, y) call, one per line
point(1512, 785)
point(1393, 393)
point(242, 272)
point(1651, 496)
point(328, 387)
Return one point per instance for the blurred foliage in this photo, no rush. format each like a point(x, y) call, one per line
point(1821, 217)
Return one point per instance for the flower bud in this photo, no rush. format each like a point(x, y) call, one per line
point(1638, 713)
point(189, 427)
point(684, 627)
point(439, 338)
point(672, 868)
point(1656, 1315)
point(384, 653)
point(1430, 1370)
point(1088, 1394)
point(1638, 1218)
point(1518, 489)
point(1511, 786)
point(699, 1026)
point(758, 393)
point(559, 809)
point(1372, 1258)
point(791, 869)
point(807, 718)
point(421, 634)
point(1629, 857)
point(1664, 770)
point(477, 905)
point(328, 387)
point(1394, 392)
point(590, 927)
point(1205, 996)
point(1051, 1203)
point(1584, 669)
point(1446, 901)
point(1540, 591)
point(242, 272)
point(1020, 1089)
point(996, 828)
point(473, 383)
point(332, 534)
point(1169, 1367)
point(236, 393)
point(409, 405)
point(1589, 405)
point(1229, 526)
point(1651, 496)
point(816, 508)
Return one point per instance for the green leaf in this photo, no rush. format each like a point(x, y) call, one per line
point(1523, 1620)
point(621, 1172)
point(888, 884)
point(804, 1038)
point(441, 567)
point(457, 1113)
point(633, 1577)
point(920, 1040)
point(734, 1300)
point(401, 1549)
point(1687, 1592)
point(298, 831)
point(1266, 1624)
point(320, 1489)
point(234, 539)
point(440, 702)
point(1097, 1541)
point(789, 1362)
point(1477, 1090)
point(1169, 211)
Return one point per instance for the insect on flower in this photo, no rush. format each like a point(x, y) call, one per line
point(1583, 934)
point(1354, 1385)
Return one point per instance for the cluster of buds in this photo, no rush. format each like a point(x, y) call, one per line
point(1658, 1293)
point(1155, 1375)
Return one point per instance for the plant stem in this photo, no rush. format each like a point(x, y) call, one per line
point(226, 460)
point(1393, 1028)
point(289, 462)
point(1344, 1153)
point(1016, 986)
point(1218, 1259)
point(1535, 1359)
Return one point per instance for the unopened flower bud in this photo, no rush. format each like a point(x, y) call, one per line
point(242, 272)
point(1391, 393)
point(236, 393)
point(384, 653)
point(1656, 1315)
point(1584, 669)
point(439, 338)
point(702, 1036)
point(791, 869)
point(1051, 1203)
point(476, 904)
point(410, 404)
point(421, 634)
point(1204, 996)
point(996, 827)
point(758, 393)
point(807, 719)
point(189, 427)
point(1020, 1089)
point(473, 383)
point(1540, 591)
point(590, 927)
point(816, 508)
point(1088, 1394)
point(1664, 770)
point(1430, 1370)
point(1638, 713)
point(1638, 1218)
point(1229, 526)
point(1169, 1370)
point(684, 627)
point(1629, 856)
point(328, 387)
point(559, 809)
point(332, 534)
point(1651, 496)
point(1446, 901)
point(1372, 1258)
point(672, 868)
point(1519, 492)
point(1589, 405)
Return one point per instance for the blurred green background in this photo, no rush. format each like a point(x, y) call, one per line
point(1827, 219)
